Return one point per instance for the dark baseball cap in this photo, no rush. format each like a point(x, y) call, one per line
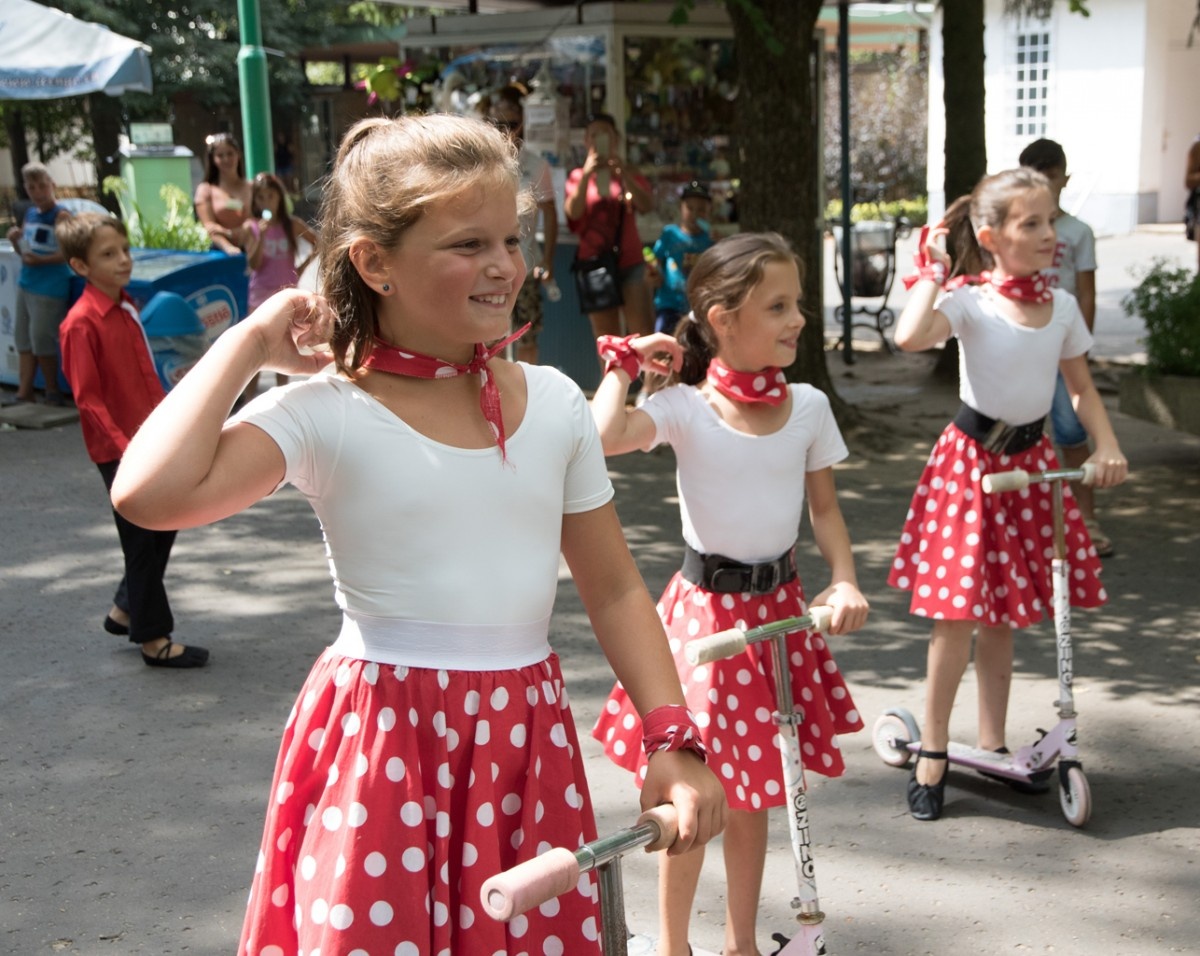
point(695, 190)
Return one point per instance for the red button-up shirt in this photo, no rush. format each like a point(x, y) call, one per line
point(107, 360)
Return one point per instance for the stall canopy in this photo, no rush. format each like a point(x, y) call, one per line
point(46, 54)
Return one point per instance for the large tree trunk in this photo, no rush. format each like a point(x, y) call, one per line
point(105, 114)
point(966, 141)
point(776, 127)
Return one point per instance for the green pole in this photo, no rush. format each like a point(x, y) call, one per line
point(256, 97)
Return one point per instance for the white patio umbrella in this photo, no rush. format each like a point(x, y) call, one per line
point(46, 54)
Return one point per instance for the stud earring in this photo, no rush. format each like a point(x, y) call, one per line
point(386, 287)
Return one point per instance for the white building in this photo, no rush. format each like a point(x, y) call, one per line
point(1120, 90)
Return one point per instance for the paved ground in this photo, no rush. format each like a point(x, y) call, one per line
point(131, 799)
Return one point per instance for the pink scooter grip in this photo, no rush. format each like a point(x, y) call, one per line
point(530, 884)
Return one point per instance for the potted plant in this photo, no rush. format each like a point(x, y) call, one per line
point(1167, 390)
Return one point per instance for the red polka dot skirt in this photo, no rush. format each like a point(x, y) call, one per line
point(968, 555)
point(398, 791)
point(733, 699)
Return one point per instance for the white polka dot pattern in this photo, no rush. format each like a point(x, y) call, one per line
point(380, 831)
point(733, 700)
point(968, 555)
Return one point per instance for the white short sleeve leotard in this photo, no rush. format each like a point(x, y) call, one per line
point(742, 495)
point(1008, 371)
point(423, 531)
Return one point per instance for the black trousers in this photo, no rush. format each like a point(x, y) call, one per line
point(141, 593)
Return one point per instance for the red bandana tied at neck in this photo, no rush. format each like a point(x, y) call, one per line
point(1036, 289)
point(768, 386)
point(385, 357)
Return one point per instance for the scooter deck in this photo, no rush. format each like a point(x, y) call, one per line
point(648, 946)
point(988, 760)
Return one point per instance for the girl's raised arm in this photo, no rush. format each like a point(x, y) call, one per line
point(920, 327)
point(624, 429)
point(185, 467)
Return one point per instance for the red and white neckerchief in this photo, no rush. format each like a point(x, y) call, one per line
point(1036, 289)
point(768, 386)
point(385, 357)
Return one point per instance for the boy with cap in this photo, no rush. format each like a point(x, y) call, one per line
point(676, 250)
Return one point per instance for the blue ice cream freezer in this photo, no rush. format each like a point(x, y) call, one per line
point(212, 283)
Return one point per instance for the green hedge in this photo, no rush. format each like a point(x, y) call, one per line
point(1168, 301)
point(916, 211)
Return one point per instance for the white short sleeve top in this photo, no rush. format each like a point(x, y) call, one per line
point(418, 530)
point(742, 495)
point(1008, 371)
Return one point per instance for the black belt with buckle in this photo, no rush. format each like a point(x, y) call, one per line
point(996, 436)
point(722, 575)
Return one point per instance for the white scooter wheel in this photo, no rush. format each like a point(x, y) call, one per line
point(893, 730)
point(1075, 796)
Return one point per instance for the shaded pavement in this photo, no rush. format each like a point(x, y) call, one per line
point(131, 799)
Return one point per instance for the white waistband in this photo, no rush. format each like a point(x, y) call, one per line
point(459, 647)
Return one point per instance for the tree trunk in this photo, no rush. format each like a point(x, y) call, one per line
point(14, 127)
point(964, 100)
point(105, 114)
point(777, 129)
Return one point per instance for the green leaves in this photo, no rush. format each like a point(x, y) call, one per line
point(1168, 301)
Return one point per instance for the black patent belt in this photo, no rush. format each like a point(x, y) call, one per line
point(996, 436)
point(722, 575)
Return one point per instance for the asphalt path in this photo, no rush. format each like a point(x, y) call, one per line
point(131, 798)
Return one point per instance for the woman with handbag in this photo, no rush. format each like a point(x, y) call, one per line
point(602, 198)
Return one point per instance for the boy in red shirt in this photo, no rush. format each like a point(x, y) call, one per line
point(107, 360)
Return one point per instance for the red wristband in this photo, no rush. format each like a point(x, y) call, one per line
point(671, 727)
point(618, 353)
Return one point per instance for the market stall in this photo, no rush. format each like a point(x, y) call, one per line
point(670, 87)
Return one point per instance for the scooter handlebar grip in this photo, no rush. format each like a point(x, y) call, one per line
point(666, 818)
point(1089, 473)
point(529, 884)
point(822, 617)
point(1006, 481)
point(715, 647)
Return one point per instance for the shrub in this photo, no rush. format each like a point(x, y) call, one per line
point(916, 211)
point(179, 230)
point(1168, 300)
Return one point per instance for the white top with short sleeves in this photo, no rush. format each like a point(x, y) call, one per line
point(1008, 371)
point(418, 530)
point(742, 495)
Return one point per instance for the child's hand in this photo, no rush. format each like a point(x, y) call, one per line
point(294, 328)
point(933, 251)
point(14, 234)
point(850, 608)
point(681, 778)
point(659, 353)
point(1110, 465)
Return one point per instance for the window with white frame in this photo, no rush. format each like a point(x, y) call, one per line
point(1029, 83)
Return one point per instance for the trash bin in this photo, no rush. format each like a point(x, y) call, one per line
point(872, 250)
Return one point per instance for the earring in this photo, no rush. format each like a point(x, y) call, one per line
point(386, 287)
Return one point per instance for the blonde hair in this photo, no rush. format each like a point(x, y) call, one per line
point(724, 275)
point(988, 205)
point(387, 173)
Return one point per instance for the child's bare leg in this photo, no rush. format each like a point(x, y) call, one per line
point(949, 653)
point(993, 672)
point(677, 879)
point(26, 372)
point(745, 844)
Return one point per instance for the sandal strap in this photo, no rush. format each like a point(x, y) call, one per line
point(933, 754)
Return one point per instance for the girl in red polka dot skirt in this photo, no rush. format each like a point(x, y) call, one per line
point(432, 745)
point(976, 562)
point(742, 436)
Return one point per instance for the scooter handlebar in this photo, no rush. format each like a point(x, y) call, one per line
point(557, 871)
point(724, 644)
point(1018, 478)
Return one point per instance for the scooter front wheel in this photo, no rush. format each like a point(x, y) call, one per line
point(894, 729)
point(1074, 794)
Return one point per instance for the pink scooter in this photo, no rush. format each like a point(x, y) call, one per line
point(557, 871)
point(897, 738)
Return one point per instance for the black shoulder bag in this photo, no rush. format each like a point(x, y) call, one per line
point(598, 280)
